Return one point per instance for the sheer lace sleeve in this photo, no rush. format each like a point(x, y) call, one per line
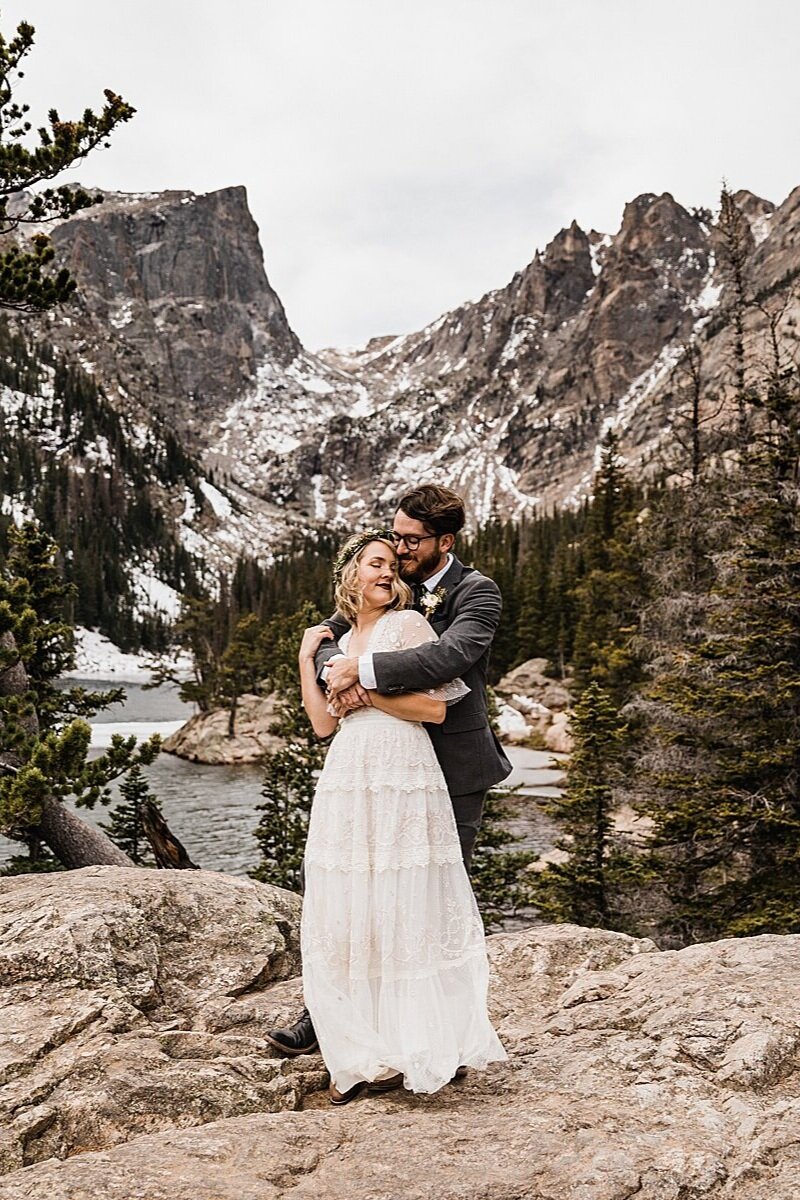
point(416, 630)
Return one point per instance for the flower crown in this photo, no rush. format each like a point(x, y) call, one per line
point(354, 545)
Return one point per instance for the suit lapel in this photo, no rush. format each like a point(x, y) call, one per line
point(449, 582)
point(453, 575)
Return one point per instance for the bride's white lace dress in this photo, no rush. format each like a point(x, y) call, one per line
point(395, 973)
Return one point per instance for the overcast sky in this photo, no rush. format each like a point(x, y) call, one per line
point(402, 156)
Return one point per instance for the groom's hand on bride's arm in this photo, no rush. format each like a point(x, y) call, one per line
point(341, 674)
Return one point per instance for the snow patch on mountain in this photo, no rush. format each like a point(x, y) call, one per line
point(598, 245)
point(708, 298)
point(96, 657)
point(639, 391)
point(523, 329)
point(220, 504)
point(16, 508)
point(152, 595)
point(760, 227)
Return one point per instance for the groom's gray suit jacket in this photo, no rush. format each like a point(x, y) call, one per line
point(469, 754)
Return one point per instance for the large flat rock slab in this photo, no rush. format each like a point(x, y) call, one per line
point(131, 1000)
point(631, 1073)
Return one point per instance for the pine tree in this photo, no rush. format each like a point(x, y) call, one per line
point(245, 662)
point(125, 827)
point(37, 860)
point(43, 748)
point(718, 750)
point(288, 790)
point(585, 887)
point(612, 585)
point(289, 773)
point(499, 875)
point(734, 244)
point(201, 631)
point(25, 283)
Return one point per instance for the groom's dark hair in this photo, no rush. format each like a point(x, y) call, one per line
point(441, 510)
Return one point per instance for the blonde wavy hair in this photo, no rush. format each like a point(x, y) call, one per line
point(347, 593)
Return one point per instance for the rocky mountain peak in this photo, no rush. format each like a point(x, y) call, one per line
point(178, 281)
point(505, 397)
point(657, 227)
point(754, 207)
point(556, 281)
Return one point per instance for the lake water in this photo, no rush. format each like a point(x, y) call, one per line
point(212, 810)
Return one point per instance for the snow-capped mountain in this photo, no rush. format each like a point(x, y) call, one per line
point(506, 398)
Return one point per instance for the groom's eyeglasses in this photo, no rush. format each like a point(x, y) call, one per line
point(411, 540)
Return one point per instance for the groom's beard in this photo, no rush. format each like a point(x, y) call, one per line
point(417, 567)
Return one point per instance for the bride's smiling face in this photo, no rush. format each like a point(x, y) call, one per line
point(377, 570)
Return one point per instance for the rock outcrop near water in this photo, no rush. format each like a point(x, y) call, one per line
point(134, 1004)
point(205, 738)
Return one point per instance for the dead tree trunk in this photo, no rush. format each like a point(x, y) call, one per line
point(168, 851)
point(74, 842)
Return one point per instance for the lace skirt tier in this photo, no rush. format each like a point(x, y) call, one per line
point(395, 973)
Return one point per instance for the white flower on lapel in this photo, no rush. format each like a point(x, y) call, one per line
point(431, 601)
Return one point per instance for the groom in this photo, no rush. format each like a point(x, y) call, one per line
point(463, 607)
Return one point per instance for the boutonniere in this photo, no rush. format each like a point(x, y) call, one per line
point(431, 601)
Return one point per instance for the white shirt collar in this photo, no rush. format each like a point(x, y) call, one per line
point(434, 581)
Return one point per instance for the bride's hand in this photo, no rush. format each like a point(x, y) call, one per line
point(312, 640)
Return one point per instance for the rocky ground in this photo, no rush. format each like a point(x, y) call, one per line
point(533, 706)
point(134, 1063)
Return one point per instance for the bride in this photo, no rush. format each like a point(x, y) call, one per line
point(395, 972)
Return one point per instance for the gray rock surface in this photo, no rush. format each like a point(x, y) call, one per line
point(632, 1072)
point(173, 301)
point(131, 1002)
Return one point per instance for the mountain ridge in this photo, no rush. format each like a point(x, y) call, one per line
point(505, 398)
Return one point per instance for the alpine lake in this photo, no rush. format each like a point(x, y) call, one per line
point(213, 809)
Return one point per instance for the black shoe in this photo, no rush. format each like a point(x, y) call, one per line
point(297, 1039)
point(461, 1073)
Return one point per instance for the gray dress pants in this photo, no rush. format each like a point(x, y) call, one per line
point(468, 810)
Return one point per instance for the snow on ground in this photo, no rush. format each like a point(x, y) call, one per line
point(124, 313)
point(189, 506)
point(643, 386)
point(16, 509)
point(219, 503)
point(103, 732)
point(709, 295)
point(152, 594)
point(98, 658)
point(302, 371)
point(522, 330)
point(760, 227)
point(511, 724)
point(597, 252)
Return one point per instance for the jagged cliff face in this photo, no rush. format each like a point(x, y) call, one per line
point(506, 398)
point(173, 302)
